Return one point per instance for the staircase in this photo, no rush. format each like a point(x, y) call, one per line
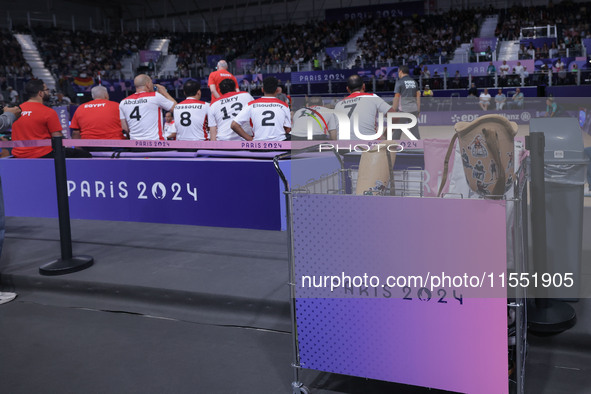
point(489, 26)
point(461, 54)
point(33, 58)
point(509, 50)
point(168, 66)
point(352, 50)
point(160, 45)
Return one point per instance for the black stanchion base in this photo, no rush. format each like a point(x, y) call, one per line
point(61, 267)
point(554, 317)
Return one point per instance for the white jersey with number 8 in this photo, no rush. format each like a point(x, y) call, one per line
point(223, 112)
point(268, 117)
point(142, 113)
point(191, 120)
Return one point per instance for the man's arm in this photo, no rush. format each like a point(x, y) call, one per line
point(214, 91)
point(75, 134)
point(162, 90)
point(418, 101)
point(9, 116)
point(125, 128)
point(57, 134)
point(213, 133)
point(395, 102)
point(240, 131)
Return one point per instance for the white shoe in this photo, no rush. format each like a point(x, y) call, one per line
point(6, 297)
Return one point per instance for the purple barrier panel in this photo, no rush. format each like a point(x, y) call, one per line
point(537, 42)
point(420, 335)
point(224, 193)
point(476, 69)
point(321, 76)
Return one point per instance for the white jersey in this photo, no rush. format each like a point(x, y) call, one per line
point(322, 120)
point(142, 113)
point(268, 117)
point(169, 129)
point(224, 110)
point(364, 106)
point(191, 120)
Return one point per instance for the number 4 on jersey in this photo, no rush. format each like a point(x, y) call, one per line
point(135, 114)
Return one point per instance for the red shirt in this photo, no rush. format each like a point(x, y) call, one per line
point(37, 122)
point(218, 76)
point(98, 120)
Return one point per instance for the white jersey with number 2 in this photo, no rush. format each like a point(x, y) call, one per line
point(268, 116)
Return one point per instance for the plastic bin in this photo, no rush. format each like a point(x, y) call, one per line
point(565, 166)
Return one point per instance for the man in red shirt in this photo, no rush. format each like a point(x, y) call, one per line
point(98, 119)
point(218, 76)
point(38, 122)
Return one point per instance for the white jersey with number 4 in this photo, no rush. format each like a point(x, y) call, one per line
point(268, 117)
point(223, 112)
point(142, 113)
point(191, 120)
point(365, 107)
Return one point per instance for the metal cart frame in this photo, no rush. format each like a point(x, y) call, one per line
point(345, 184)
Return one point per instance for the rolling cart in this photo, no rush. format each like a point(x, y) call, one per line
point(404, 335)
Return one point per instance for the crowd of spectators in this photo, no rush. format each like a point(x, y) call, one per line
point(192, 49)
point(86, 53)
point(420, 39)
point(572, 21)
point(12, 63)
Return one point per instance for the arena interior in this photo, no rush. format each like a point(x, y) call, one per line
point(190, 251)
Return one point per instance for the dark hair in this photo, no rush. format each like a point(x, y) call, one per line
point(227, 85)
point(404, 69)
point(191, 87)
point(33, 87)
point(270, 85)
point(354, 82)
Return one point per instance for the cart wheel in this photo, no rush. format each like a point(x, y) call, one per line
point(299, 388)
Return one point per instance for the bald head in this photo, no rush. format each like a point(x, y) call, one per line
point(143, 83)
point(99, 93)
point(222, 64)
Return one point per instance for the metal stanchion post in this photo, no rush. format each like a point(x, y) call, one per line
point(67, 263)
point(545, 315)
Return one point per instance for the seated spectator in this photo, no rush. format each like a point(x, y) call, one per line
point(427, 92)
point(39, 122)
point(457, 80)
point(169, 130)
point(484, 101)
point(97, 119)
point(518, 99)
point(500, 100)
point(473, 92)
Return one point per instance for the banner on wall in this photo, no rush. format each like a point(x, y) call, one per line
point(245, 64)
point(481, 44)
point(146, 56)
point(64, 116)
point(392, 10)
point(212, 60)
point(475, 69)
point(337, 53)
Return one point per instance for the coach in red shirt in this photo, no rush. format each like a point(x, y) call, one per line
point(97, 119)
point(38, 122)
point(218, 76)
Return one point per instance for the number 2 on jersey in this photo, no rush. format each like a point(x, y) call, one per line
point(268, 116)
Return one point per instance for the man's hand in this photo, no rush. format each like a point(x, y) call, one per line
point(161, 89)
point(16, 110)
